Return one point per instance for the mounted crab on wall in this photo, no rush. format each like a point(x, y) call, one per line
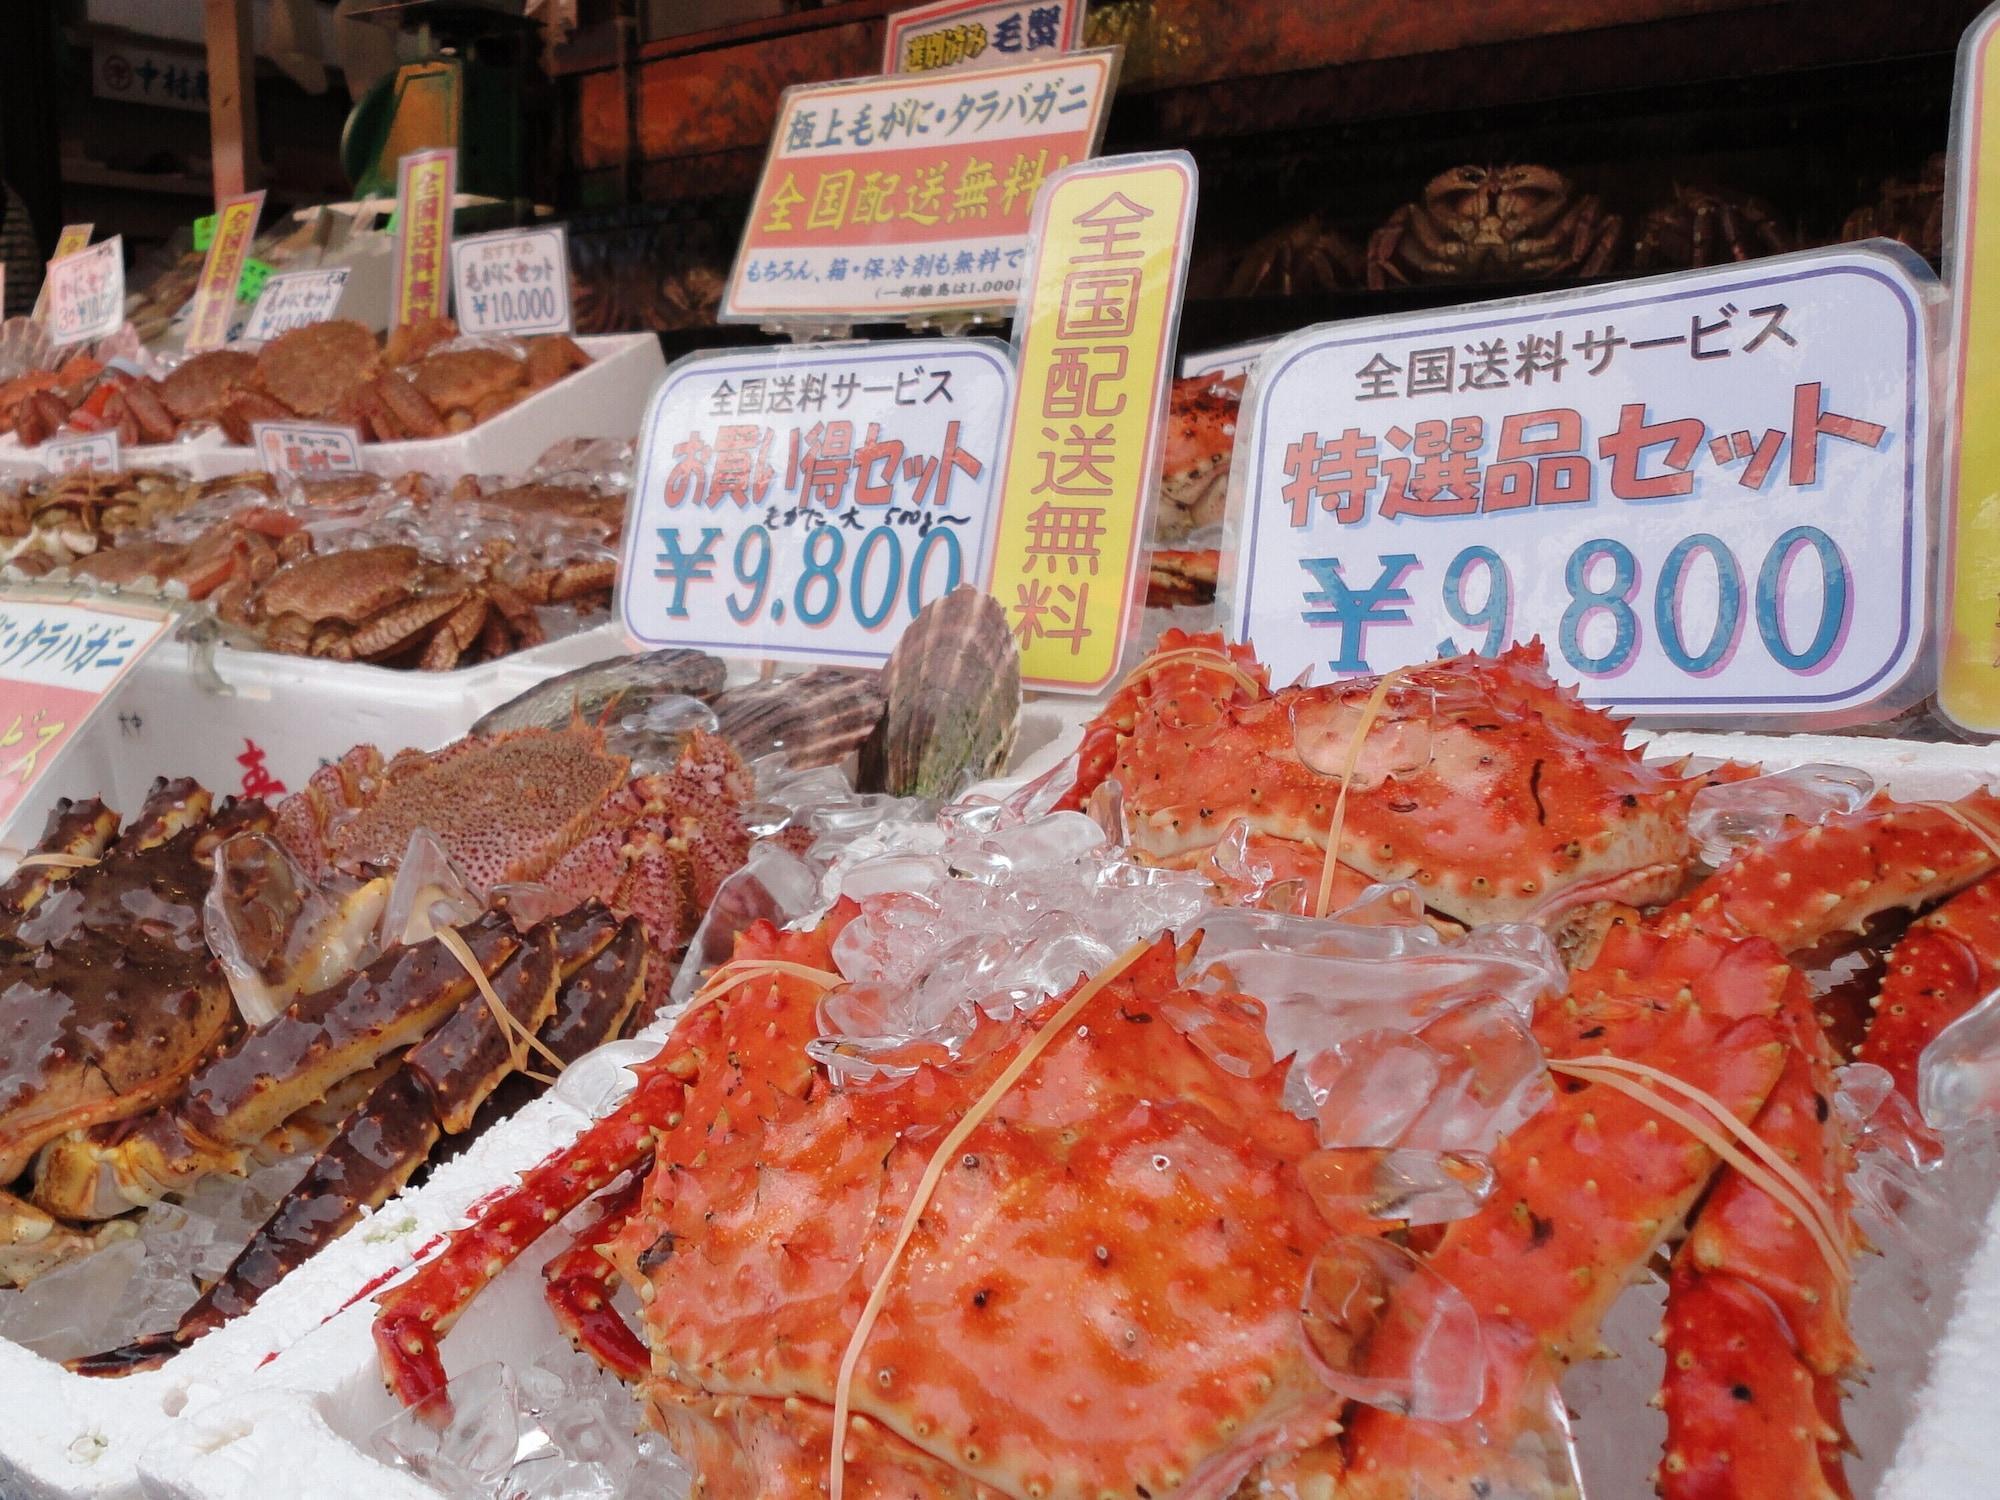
point(1508, 223)
point(1701, 226)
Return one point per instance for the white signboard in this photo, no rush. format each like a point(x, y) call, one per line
point(512, 281)
point(1225, 363)
point(804, 503)
point(1707, 494)
point(294, 299)
point(87, 293)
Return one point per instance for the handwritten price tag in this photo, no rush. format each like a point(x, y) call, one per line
point(97, 452)
point(58, 662)
point(87, 293)
point(72, 239)
point(1707, 494)
point(805, 503)
point(293, 300)
point(306, 449)
point(513, 281)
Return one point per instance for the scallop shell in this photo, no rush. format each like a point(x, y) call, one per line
point(624, 685)
point(818, 718)
point(954, 689)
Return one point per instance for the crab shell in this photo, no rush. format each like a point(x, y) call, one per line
point(1201, 434)
point(1526, 804)
point(1126, 1177)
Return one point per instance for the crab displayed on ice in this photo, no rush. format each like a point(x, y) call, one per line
point(1092, 1251)
point(1194, 471)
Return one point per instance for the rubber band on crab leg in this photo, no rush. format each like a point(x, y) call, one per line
point(57, 861)
point(1370, 711)
point(1056, 1025)
point(742, 970)
point(510, 1025)
point(1807, 1209)
point(1213, 660)
point(1977, 827)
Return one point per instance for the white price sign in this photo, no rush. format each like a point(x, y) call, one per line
point(293, 300)
point(87, 293)
point(1707, 494)
point(1225, 363)
point(306, 449)
point(97, 452)
point(512, 281)
point(804, 503)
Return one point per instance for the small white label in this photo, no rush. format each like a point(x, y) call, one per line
point(87, 293)
point(512, 281)
point(98, 452)
point(307, 450)
point(293, 300)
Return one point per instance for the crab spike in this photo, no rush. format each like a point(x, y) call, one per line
point(579, 1290)
point(416, 1314)
point(1945, 964)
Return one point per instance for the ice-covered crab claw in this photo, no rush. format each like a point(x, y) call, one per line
point(1491, 788)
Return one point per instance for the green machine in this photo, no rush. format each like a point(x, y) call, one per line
point(472, 86)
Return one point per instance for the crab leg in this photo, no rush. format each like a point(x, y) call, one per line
point(1586, 1189)
point(1946, 963)
point(82, 830)
point(580, 1286)
point(248, 1092)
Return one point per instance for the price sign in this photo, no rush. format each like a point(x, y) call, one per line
point(87, 293)
point(72, 239)
point(1095, 336)
point(1969, 659)
point(805, 503)
point(294, 299)
point(956, 35)
point(98, 453)
point(884, 198)
point(1707, 494)
point(215, 290)
point(307, 449)
point(512, 281)
point(58, 661)
point(426, 183)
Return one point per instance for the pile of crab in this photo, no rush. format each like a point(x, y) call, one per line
point(1293, 1143)
point(422, 381)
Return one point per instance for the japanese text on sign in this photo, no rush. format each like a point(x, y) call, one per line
point(293, 300)
point(956, 35)
point(87, 293)
point(215, 291)
point(143, 75)
point(1969, 617)
point(72, 239)
point(1705, 494)
point(1095, 332)
point(426, 182)
point(890, 196)
point(306, 449)
point(95, 453)
point(57, 661)
point(804, 504)
point(512, 281)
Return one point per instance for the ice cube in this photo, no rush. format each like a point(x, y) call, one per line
point(1353, 1185)
point(773, 884)
point(70, 1310)
point(428, 893)
point(894, 937)
point(1369, 1089)
point(1958, 1074)
point(1384, 1329)
point(463, 1439)
point(1731, 816)
point(889, 874)
point(602, 1079)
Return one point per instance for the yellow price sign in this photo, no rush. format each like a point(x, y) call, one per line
point(1094, 337)
point(426, 183)
point(215, 291)
point(73, 238)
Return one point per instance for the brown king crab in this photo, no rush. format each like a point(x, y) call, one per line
point(156, 1081)
point(1094, 1254)
point(1703, 227)
point(1506, 223)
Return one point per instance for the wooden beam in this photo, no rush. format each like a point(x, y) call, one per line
point(232, 96)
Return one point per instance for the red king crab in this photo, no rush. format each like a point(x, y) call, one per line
point(1093, 1254)
point(1194, 472)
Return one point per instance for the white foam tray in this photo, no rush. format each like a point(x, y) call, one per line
point(605, 399)
point(286, 1392)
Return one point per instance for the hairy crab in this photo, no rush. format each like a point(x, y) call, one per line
point(1490, 223)
point(1703, 227)
point(1091, 1251)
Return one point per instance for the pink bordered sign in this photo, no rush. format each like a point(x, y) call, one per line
point(885, 199)
point(961, 35)
point(306, 449)
point(58, 662)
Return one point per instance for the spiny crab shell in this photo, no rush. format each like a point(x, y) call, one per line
point(1509, 799)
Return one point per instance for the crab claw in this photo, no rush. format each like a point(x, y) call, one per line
point(579, 1291)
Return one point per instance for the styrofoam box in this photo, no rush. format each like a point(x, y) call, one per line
point(605, 399)
point(286, 1393)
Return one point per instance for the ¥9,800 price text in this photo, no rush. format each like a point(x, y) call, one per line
point(1702, 603)
point(870, 577)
